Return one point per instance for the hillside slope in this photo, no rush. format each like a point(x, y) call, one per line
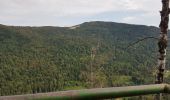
point(92, 54)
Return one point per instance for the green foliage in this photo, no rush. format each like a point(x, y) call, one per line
point(45, 59)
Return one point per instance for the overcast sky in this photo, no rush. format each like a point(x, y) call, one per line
point(72, 12)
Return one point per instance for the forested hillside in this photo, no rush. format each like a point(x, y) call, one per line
point(92, 54)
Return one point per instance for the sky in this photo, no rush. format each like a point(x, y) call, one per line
point(73, 12)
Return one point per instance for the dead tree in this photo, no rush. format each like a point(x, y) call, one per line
point(163, 40)
point(162, 43)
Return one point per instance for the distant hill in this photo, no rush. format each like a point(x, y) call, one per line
point(92, 54)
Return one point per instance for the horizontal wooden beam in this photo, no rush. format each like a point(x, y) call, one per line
point(94, 94)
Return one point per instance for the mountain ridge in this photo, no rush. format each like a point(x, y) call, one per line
point(46, 59)
point(80, 24)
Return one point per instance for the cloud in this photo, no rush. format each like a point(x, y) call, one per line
point(70, 12)
point(128, 19)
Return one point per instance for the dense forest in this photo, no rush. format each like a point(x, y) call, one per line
point(89, 55)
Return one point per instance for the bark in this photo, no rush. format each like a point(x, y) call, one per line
point(163, 41)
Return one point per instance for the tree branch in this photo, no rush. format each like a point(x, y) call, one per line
point(140, 40)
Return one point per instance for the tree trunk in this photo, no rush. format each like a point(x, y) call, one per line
point(162, 43)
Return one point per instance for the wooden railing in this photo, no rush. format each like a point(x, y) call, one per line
point(94, 94)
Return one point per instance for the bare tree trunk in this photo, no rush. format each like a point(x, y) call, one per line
point(162, 43)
